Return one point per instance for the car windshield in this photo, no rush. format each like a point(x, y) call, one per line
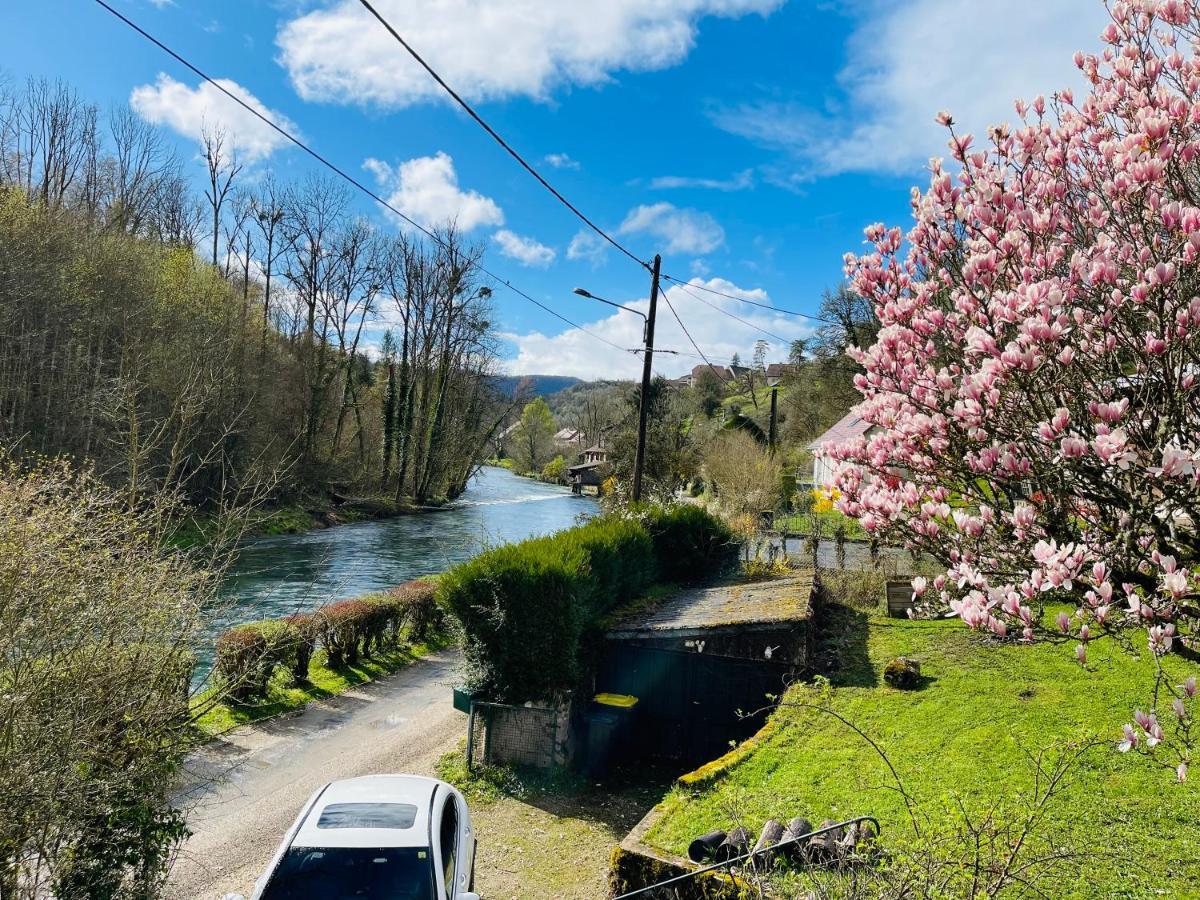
point(342, 873)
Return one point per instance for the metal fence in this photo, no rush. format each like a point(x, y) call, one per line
point(499, 734)
point(673, 886)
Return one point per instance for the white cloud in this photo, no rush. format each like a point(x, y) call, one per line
point(526, 251)
point(426, 189)
point(679, 230)
point(190, 110)
point(737, 182)
point(561, 161)
point(910, 59)
point(575, 353)
point(486, 49)
point(587, 245)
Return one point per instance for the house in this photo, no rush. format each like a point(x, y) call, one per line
point(590, 470)
point(568, 438)
point(722, 372)
point(847, 428)
point(777, 371)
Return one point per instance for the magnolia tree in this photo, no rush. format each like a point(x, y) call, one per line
point(1035, 382)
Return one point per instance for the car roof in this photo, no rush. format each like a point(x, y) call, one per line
point(412, 790)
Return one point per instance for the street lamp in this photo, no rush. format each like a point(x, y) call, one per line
point(583, 292)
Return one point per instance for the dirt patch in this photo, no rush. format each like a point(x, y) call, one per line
point(550, 838)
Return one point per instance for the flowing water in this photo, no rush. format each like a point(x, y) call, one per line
point(276, 576)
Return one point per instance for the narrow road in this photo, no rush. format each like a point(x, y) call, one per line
point(251, 784)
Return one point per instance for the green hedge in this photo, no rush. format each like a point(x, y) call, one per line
point(528, 609)
point(248, 655)
point(689, 542)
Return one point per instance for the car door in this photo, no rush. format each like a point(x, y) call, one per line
point(447, 836)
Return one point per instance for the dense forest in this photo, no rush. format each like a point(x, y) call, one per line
point(254, 333)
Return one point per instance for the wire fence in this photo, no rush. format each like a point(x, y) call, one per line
point(499, 734)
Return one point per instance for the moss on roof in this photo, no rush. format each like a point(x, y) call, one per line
point(784, 599)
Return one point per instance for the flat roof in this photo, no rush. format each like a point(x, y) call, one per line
point(767, 603)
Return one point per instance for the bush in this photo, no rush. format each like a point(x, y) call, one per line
point(621, 559)
point(555, 469)
point(422, 615)
point(247, 656)
point(308, 633)
point(346, 627)
point(690, 543)
point(407, 610)
point(528, 610)
point(521, 607)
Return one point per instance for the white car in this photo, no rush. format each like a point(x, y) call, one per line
point(379, 837)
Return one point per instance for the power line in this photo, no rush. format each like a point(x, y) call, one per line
point(786, 312)
point(689, 336)
point(496, 136)
point(266, 120)
point(726, 312)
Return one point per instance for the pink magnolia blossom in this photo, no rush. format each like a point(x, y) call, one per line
point(1130, 741)
point(1037, 353)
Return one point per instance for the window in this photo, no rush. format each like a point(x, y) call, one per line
point(364, 873)
point(448, 842)
point(367, 815)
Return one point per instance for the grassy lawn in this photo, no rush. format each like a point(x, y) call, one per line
point(545, 836)
point(283, 696)
point(965, 737)
point(801, 523)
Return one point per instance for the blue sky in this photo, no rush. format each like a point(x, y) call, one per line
point(748, 141)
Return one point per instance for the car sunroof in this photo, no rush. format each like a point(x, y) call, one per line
point(368, 815)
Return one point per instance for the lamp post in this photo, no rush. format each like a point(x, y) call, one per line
point(639, 460)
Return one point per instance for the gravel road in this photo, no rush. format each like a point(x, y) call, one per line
point(251, 784)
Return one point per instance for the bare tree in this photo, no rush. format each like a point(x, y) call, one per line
point(223, 167)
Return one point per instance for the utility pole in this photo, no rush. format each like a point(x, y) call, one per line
point(639, 460)
point(771, 432)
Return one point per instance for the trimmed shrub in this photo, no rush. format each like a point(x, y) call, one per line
point(247, 656)
point(418, 612)
point(308, 633)
point(521, 607)
point(690, 543)
point(621, 560)
point(528, 610)
point(345, 627)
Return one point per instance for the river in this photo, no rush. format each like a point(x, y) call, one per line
point(278, 575)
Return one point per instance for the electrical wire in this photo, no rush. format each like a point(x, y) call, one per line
point(266, 120)
point(499, 140)
point(688, 335)
point(726, 312)
point(786, 312)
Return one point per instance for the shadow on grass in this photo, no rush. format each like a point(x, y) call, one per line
point(841, 652)
point(626, 794)
point(325, 682)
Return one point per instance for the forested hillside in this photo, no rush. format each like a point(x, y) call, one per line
point(218, 341)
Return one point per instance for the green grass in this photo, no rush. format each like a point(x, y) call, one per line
point(548, 834)
point(965, 737)
point(801, 523)
point(283, 697)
